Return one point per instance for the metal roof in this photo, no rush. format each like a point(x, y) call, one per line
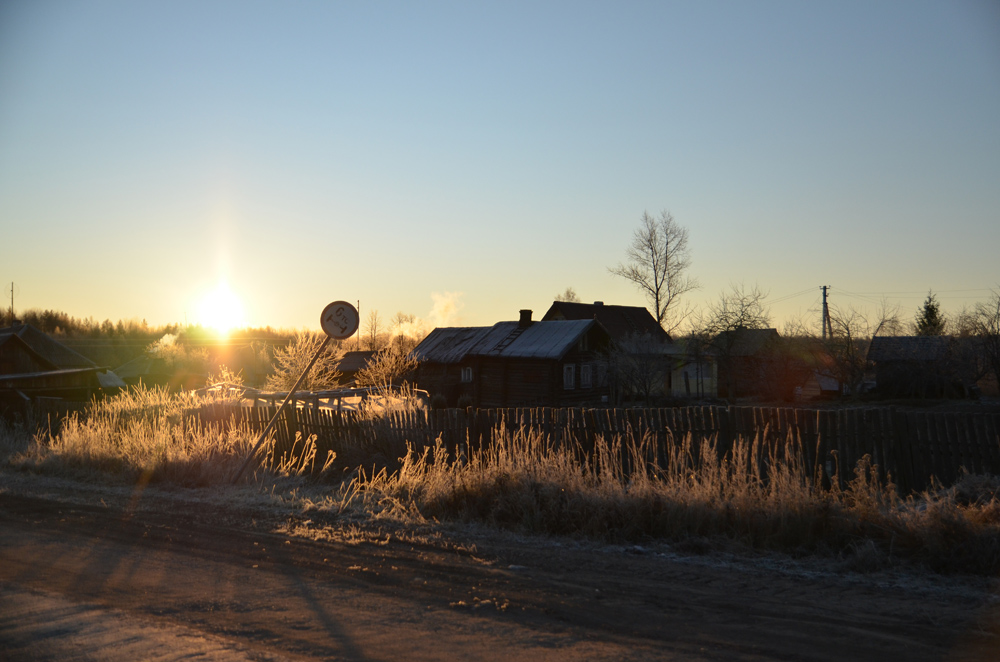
point(540, 340)
point(59, 355)
point(449, 344)
point(51, 350)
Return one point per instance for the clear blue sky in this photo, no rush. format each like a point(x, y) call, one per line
point(402, 153)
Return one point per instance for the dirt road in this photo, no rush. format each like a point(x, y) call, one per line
point(83, 581)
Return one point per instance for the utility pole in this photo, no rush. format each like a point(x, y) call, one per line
point(827, 324)
point(12, 303)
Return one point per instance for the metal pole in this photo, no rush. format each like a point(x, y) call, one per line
point(274, 419)
point(827, 326)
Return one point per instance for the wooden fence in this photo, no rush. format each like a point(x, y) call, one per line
point(908, 446)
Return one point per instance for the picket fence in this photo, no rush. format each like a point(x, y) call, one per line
point(908, 447)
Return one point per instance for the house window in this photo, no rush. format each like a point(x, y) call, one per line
point(467, 375)
point(569, 376)
point(586, 376)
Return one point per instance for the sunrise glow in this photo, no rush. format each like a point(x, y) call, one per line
point(221, 309)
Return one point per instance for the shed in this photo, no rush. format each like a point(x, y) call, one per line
point(920, 366)
point(33, 365)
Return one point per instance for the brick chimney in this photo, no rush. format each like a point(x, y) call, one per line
point(525, 320)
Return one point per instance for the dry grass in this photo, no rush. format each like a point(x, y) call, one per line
point(144, 435)
point(756, 496)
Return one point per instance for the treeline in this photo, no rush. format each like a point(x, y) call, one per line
point(113, 344)
point(249, 352)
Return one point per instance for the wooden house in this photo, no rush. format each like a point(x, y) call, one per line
point(619, 321)
point(34, 365)
point(924, 366)
point(747, 359)
point(351, 363)
point(557, 363)
point(694, 369)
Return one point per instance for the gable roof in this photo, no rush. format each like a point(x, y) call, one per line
point(449, 344)
point(355, 361)
point(619, 321)
point(57, 355)
point(539, 340)
point(52, 351)
point(13, 343)
point(908, 348)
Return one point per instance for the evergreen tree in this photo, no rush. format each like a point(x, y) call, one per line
point(930, 321)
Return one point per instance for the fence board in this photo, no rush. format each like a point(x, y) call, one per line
point(909, 447)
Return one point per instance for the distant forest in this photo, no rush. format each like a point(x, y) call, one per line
point(112, 344)
point(249, 351)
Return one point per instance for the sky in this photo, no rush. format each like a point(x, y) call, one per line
point(460, 161)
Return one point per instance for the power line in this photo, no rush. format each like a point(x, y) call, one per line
point(792, 296)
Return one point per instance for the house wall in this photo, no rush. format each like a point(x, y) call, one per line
point(444, 379)
point(539, 382)
point(695, 380)
point(74, 386)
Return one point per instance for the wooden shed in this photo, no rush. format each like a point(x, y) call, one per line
point(34, 365)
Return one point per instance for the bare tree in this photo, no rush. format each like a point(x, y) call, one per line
point(853, 332)
point(373, 331)
point(739, 308)
point(657, 262)
point(292, 359)
point(638, 367)
point(386, 368)
point(568, 296)
point(734, 311)
point(986, 327)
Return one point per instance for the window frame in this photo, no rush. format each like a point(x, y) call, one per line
point(569, 376)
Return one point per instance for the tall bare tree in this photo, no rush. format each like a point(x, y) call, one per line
point(373, 331)
point(656, 262)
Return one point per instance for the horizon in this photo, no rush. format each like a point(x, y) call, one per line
point(248, 163)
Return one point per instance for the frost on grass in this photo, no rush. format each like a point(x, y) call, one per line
point(149, 435)
point(756, 496)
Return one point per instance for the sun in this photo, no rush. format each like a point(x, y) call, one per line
point(221, 309)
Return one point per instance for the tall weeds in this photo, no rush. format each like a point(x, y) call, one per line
point(757, 495)
point(147, 435)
